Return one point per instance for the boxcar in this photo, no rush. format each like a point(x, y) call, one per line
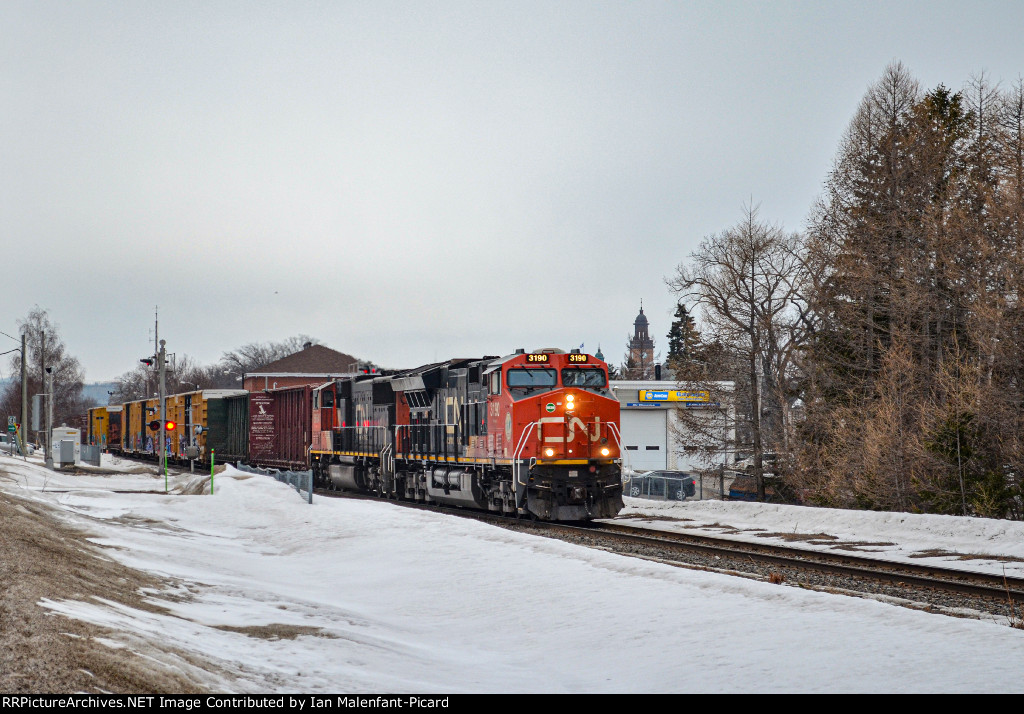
point(280, 427)
point(200, 422)
point(103, 426)
point(228, 422)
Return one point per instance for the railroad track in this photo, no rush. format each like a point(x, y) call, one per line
point(930, 588)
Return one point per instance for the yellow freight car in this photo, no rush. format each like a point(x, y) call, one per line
point(104, 427)
point(194, 414)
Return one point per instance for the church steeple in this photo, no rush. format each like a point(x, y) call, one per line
point(641, 348)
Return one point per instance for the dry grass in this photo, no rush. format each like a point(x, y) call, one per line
point(1016, 611)
point(42, 559)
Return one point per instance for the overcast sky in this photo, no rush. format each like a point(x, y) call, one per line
point(413, 181)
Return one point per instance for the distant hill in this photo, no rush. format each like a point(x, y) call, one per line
point(97, 391)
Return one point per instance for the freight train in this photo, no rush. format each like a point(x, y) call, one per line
point(529, 434)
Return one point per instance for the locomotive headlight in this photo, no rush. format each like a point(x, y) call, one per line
point(605, 451)
point(570, 398)
point(549, 452)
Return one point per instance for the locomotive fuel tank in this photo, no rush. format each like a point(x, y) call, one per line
point(455, 487)
point(346, 474)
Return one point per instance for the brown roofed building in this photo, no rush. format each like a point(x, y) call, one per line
point(313, 364)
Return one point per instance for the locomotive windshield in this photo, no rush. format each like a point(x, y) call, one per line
point(532, 378)
point(576, 377)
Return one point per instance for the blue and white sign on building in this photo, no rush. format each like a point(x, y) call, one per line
point(648, 396)
point(673, 395)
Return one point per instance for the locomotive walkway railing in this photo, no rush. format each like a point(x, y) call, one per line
point(361, 438)
point(299, 480)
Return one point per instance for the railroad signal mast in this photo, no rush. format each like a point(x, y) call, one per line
point(160, 358)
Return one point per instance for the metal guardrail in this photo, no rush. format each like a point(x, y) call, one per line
point(299, 480)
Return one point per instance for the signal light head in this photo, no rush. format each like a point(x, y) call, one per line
point(170, 425)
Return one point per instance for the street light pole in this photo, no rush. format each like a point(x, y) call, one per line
point(24, 397)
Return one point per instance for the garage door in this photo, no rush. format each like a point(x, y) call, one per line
point(644, 438)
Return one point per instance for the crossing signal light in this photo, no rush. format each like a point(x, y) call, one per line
point(148, 361)
point(154, 425)
point(170, 425)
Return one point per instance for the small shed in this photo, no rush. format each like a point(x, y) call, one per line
point(66, 447)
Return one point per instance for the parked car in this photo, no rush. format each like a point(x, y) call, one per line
point(667, 485)
point(9, 445)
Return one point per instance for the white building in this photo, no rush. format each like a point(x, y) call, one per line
point(650, 427)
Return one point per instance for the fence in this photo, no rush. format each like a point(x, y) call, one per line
point(299, 480)
point(90, 454)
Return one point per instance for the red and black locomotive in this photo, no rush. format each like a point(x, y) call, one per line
point(528, 434)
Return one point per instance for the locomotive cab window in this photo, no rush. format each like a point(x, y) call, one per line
point(531, 378)
point(583, 377)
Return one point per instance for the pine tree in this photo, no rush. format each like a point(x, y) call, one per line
point(683, 338)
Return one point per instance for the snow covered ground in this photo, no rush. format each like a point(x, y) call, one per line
point(347, 596)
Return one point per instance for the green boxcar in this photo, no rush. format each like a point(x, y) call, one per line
point(228, 428)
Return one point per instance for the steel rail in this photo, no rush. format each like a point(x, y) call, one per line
point(827, 561)
point(979, 585)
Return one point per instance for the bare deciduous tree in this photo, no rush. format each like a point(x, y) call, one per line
point(45, 350)
point(747, 283)
point(250, 357)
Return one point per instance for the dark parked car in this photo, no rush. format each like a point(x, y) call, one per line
point(667, 485)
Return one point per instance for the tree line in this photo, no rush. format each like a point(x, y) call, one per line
point(45, 350)
point(880, 353)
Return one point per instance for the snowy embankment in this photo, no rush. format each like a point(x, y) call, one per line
point(347, 596)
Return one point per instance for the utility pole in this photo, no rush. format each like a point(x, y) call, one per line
point(42, 381)
point(24, 394)
point(20, 433)
point(161, 363)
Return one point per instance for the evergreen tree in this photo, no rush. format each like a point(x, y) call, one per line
point(683, 338)
point(916, 306)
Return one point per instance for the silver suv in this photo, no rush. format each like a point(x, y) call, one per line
point(9, 445)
